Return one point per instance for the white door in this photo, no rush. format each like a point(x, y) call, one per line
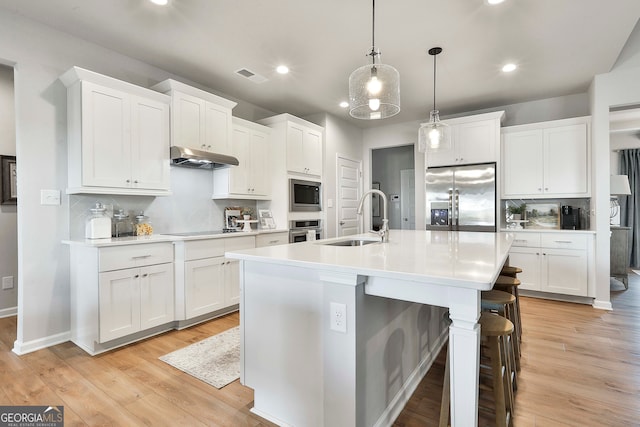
point(408, 199)
point(156, 295)
point(348, 196)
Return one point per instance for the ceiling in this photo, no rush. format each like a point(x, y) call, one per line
point(559, 45)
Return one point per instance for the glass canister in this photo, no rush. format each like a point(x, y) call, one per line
point(122, 225)
point(98, 224)
point(142, 226)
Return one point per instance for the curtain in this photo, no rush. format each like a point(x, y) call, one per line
point(630, 205)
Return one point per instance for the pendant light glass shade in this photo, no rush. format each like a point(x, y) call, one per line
point(434, 136)
point(374, 92)
point(374, 89)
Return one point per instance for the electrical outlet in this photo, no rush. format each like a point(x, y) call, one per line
point(338, 315)
point(7, 282)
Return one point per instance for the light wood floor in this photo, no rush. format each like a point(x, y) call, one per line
point(580, 367)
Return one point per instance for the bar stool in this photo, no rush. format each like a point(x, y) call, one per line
point(504, 304)
point(510, 270)
point(510, 284)
point(494, 329)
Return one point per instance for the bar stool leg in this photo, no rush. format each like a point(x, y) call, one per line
point(446, 390)
point(498, 382)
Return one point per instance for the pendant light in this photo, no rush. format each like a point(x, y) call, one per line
point(435, 135)
point(374, 90)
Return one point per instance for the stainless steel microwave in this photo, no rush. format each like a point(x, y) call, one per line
point(305, 196)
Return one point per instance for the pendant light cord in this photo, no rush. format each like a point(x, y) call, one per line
point(373, 34)
point(434, 82)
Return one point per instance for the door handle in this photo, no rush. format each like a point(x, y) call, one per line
point(450, 208)
point(457, 208)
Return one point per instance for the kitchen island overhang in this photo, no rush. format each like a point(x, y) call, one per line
point(303, 369)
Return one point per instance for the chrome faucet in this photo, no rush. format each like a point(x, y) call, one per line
point(384, 231)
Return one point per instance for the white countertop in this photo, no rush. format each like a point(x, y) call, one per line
point(156, 238)
point(463, 259)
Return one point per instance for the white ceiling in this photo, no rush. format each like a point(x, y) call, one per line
point(559, 46)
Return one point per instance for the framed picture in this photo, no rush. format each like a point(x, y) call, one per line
point(266, 219)
point(543, 215)
point(375, 200)
point(9, 180)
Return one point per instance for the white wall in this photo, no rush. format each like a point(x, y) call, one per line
point(8, 213)
point(340, 138)
point(40, 55)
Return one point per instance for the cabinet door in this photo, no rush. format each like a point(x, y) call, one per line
point(564, 271)
point(156, 295)
point(565, 160)
point(312, 152)
point(239, 175)
point(119, 306)
point(442, 157)
point(295, 157)
point(476, 142)
point(218, 129)
point(258, 176)
point(232, 282)
point(188, 115)
point(150, 144)
point(528, 259)
point(106, 137)
point(204, 290)
point(522, 163)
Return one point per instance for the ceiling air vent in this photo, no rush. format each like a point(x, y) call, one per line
point(256, 78)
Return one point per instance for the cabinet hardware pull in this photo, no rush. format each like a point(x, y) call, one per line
point(273, 241)
point(140, 256)
point(520, 240)
point(145, 275)
point(563, 241)
point(128, 181)
point(136, 276)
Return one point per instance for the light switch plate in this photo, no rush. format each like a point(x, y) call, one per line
point(338, 315)
point(7, 282)
point(49, 197)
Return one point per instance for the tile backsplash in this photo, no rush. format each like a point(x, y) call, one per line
point(189, 208)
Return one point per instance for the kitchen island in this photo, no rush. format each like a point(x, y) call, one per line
point(342, 335)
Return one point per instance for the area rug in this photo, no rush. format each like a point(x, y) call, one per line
point(637, 272)
point(214, 360)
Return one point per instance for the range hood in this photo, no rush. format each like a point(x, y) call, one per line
point(191, 158)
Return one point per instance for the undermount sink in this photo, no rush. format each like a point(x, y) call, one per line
point(351, 242)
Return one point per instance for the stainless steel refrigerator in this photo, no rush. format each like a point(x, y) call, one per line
point(461, 198)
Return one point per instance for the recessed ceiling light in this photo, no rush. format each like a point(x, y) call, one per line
point(344, 104)
point(492, 2)
point(282, 69)
point(160, 2)
point(507, 68)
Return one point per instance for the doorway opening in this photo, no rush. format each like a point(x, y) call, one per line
point(393, 170)
point(8, 201)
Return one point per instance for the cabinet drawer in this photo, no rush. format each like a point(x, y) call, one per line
point(272, 239)
point(564, 241)
point(527, 239)
point(239, 243)
point(200, 249)
point(119, 257)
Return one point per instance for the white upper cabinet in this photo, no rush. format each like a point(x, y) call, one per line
point(199, 119)
point(118, 136)
point(251, 178)
point(303, 141)
point(474, 139)
point(547, 160)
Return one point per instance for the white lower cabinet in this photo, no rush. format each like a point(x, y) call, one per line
point(135, 299)
point(120, 294)
point(211, 282)
point(553, 262)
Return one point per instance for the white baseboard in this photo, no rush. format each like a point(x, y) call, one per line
point(21, 348)
point(8, 312)
point(269, 418)
point(401, 398)
point(602, 305)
